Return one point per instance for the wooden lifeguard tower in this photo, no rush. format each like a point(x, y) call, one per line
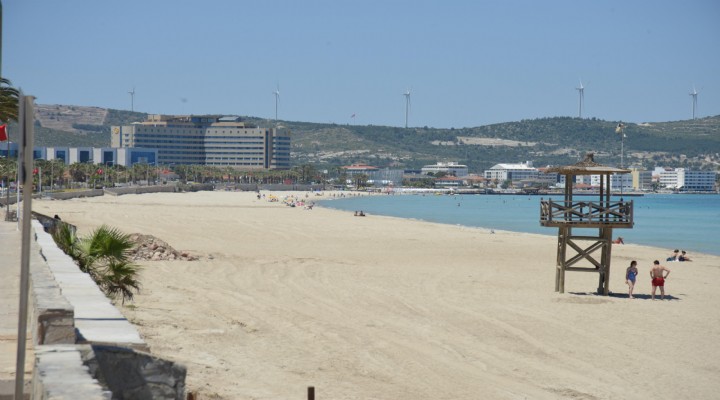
point(603, 214)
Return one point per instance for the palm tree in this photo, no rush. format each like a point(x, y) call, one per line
point(104, 255)
point(8, 101)
point(66, 240)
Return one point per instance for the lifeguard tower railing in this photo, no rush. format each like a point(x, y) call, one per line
point(586, 214)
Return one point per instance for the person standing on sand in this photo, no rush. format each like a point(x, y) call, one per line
point(658, 279)
point(630, 275)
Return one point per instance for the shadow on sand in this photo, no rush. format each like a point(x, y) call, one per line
point(638, 296)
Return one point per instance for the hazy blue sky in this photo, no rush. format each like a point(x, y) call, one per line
point(467, 63)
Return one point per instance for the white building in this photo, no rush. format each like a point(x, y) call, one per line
point(672, 178)
point(512, 172)
point(688, 180)
point(450, 168)
point(93, 155)
point(207, 140)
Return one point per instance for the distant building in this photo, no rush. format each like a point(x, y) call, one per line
point(686, 180)
point(474, 180)
point(92, 155)
point(620, 182)
point(448, 181)
point(450, 168)
point(699, 181)
point(207, 140)
point(359, 169)
point(641, 179)
point(550, 178)
point(512, 172)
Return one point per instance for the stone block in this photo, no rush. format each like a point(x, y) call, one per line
point(136, 375)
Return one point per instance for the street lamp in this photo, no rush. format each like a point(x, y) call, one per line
point(621, 131)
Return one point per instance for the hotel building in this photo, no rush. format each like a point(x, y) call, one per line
point(512, 172)
point(688, 180)
point(450, 168)
point(223, 141)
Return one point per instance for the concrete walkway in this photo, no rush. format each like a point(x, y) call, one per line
point(9, 304)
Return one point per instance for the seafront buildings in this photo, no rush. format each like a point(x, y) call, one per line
point(687, 180)
point(512, 172)
point(93, 155)
point(212, 140)
point(450, 168)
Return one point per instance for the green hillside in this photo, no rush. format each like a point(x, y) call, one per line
point(545, 141)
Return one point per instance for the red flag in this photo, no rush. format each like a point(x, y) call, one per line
point(3, 133)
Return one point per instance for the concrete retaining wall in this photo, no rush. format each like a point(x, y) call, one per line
point(97, 321)
point(141, 189)
point(131, 374)
point(52, 317)
point(59, 373)
point(72, 194)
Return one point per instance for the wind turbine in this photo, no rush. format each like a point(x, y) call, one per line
point(407, 105)
point(694, 94)
point(277, 99)
point(581, 93)
point(132, 99)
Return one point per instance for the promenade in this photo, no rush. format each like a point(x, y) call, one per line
point(9, 303)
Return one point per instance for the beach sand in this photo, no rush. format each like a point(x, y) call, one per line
point(383, 308)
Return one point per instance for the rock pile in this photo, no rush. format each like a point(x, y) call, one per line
point(150, 248)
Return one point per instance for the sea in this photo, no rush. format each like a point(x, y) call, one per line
point(672, 221)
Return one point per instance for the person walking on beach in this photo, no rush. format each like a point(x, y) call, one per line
point(630, 275)
point(658, 278)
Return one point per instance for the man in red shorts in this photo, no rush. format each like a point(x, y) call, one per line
point(658, 278)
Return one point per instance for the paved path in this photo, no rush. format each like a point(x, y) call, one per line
point(9, 303)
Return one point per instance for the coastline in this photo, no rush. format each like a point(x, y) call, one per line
point(661, 221)
point(380, 307)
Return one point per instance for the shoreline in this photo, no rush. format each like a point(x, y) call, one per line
point(382, 307)
point(644, 240)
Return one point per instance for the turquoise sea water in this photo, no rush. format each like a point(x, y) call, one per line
point(690, 222)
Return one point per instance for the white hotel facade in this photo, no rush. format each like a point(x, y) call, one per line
point(687, 180)
point(223, 141)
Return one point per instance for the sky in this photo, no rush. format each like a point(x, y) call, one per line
point(465, 63)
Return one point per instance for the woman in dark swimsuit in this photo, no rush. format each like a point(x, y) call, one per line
point(630, 275)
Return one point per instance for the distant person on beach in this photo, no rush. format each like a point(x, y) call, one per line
point(684, 257)
point(658, 278)
point(675, 256)
point(630, 276)
point(619, 240)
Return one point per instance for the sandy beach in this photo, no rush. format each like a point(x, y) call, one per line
point(284, 298)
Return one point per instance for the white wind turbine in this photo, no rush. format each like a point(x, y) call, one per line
point(581, 94)
point(694, 95)
point(407, 105)
point(277, 99)
point(132, 99)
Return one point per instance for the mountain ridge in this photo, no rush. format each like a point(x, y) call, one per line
point(546, 141)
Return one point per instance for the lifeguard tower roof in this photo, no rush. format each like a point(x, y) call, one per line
point(588, 166)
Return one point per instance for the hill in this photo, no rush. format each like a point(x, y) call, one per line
point(545, 141)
